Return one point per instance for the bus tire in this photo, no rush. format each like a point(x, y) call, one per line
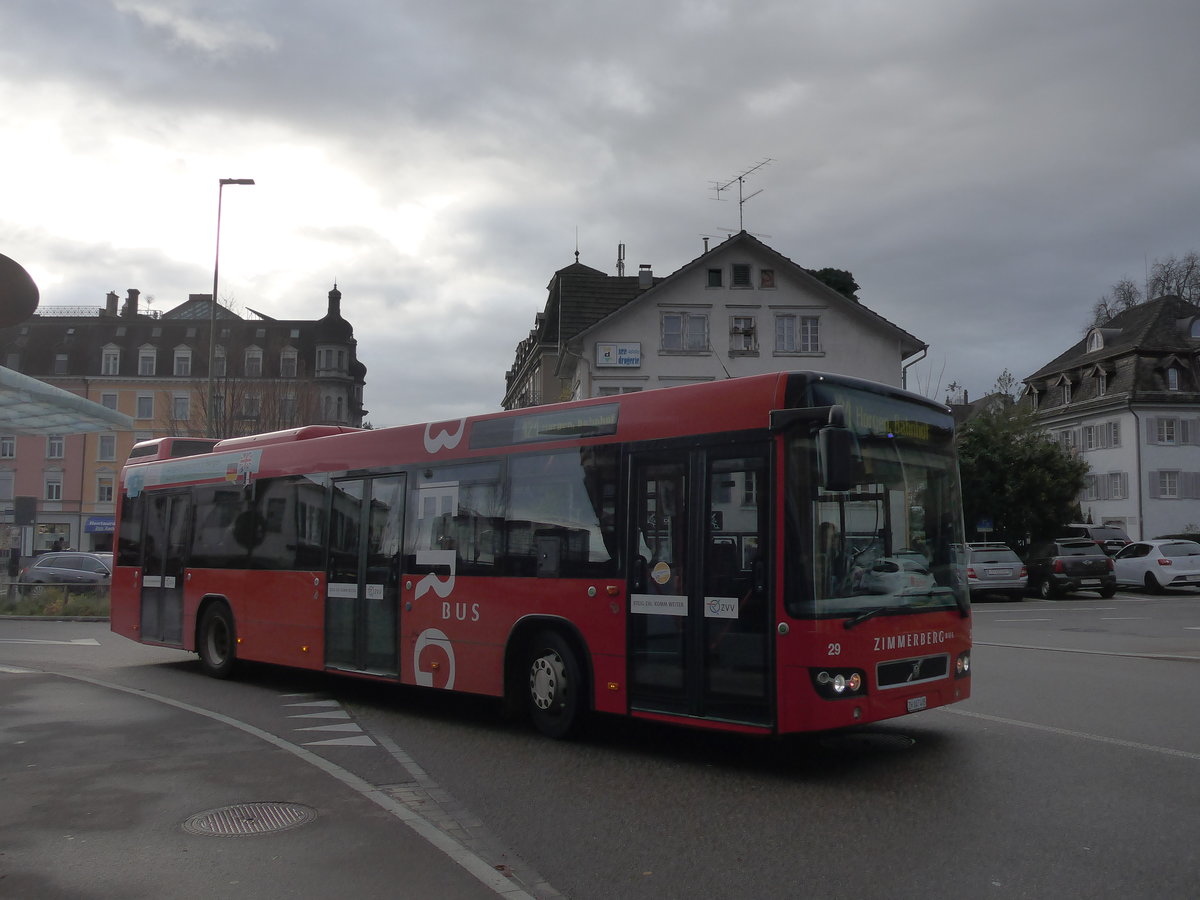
point(217, 641)
point(555, 690)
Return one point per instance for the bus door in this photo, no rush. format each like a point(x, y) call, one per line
point(363, 568)
point(167, 539)
point(700, 617)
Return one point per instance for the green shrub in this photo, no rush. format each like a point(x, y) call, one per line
point(55, 601)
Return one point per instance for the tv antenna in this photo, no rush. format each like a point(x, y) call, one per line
point(740, 181)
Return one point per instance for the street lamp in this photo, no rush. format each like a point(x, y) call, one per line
point(212, 307)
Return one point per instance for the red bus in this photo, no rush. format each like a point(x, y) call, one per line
point(769, 554)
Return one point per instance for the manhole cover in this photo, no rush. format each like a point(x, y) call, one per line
point(243, 819)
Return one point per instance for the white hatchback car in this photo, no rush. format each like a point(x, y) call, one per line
point(1156, 565)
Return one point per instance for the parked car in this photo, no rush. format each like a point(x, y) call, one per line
point(1109, 538)
point(1069, 564)
point(904, 572)
point(994, 568)
point(1156, 565)
point(72, 568)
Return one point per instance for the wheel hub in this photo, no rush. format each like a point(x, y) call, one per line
point(546, 676)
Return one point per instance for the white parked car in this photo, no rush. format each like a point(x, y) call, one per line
point(1156, 565)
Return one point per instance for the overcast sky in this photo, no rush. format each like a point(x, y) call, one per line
point(985, 169)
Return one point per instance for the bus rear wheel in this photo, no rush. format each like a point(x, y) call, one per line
point(555, 695)
point(217, 641)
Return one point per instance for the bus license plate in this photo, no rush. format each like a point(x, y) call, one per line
point(1090, 582)
point(915, 704)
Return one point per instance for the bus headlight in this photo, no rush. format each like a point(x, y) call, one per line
point(834, 684)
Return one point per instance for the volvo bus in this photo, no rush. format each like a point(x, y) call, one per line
point(767, 555)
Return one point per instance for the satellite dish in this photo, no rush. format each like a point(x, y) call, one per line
point(18, 293)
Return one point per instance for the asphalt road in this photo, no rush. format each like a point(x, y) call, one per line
point(1071, 772)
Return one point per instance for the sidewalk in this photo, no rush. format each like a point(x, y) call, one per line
point(110, 793)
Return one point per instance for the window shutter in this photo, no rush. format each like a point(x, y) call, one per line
point(1152, 430)
point(1124, 485)
point(1185, 430)
point(1155, 491)
point(1189, 485)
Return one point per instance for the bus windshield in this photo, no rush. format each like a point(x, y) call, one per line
point(888, 545)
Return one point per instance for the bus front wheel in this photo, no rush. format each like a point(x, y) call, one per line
point(217, 641)
point(556, 691)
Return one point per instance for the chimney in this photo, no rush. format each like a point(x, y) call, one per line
point(131, 303)
point(110, 305)
point(335, 301)
point(645, 276)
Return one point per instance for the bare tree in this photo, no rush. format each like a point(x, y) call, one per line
point(1179, 276)
point(1123, 295)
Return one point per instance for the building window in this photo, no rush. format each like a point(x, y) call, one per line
point(1066, 392)
point(766, 278)
point(684, 332)
point(145, 406)
point(251, 404)
point(108, 401)
point(797, 334)
point(741, 275)
point(54, 487)
point(219, 363)
point(61, 363)
point(183, 362)
point(1172, 379)
point(1101, 384)
point(287, 410)
point(147, 360)
point(217, 412)
point(54, 446)
point(1168, 485)
point(1165, 430)
point(8, 446)
point(181, 407)
point(612, 391)
point(7, 490)
point(1091, 487)
point(253, 362)
point(1114, 433)
point(742, 335)
point(1116, 486)
point(108, 447)
point(287, 364)
point(1089, 439)
point(13, 361)
point(715, 278)
point(104, 489)
point(1095, 341)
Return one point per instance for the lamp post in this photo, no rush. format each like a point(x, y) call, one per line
point(212, 308)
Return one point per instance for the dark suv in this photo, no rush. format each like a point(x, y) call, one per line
point(1069, 564)
point(1108, 538)
point(69, 567)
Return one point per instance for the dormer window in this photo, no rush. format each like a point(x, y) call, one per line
point(252, 362)
point(147, 360)
point(1101, 383)
point(1194, 330)
point(110, 360)
point(1066, 392)
point(1172, 379)
point(1095, 340)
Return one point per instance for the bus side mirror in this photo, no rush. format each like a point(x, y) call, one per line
point(837, 455)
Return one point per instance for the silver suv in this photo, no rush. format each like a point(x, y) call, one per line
point(993, 568)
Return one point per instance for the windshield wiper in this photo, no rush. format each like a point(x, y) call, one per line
point(863, 616)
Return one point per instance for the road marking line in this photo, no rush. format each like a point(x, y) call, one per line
point(1024, 620)
point(78, 642)
point(1168, 657)
point(1066, 732)
point(1123, 618)
point(335, 714)
point(361, 741)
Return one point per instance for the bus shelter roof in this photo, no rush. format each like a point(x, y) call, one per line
point(29, 406)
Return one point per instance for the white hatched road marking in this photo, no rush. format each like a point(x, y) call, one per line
point(329, 709)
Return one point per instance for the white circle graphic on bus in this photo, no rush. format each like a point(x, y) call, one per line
point(661, 573)
point(432, 637)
